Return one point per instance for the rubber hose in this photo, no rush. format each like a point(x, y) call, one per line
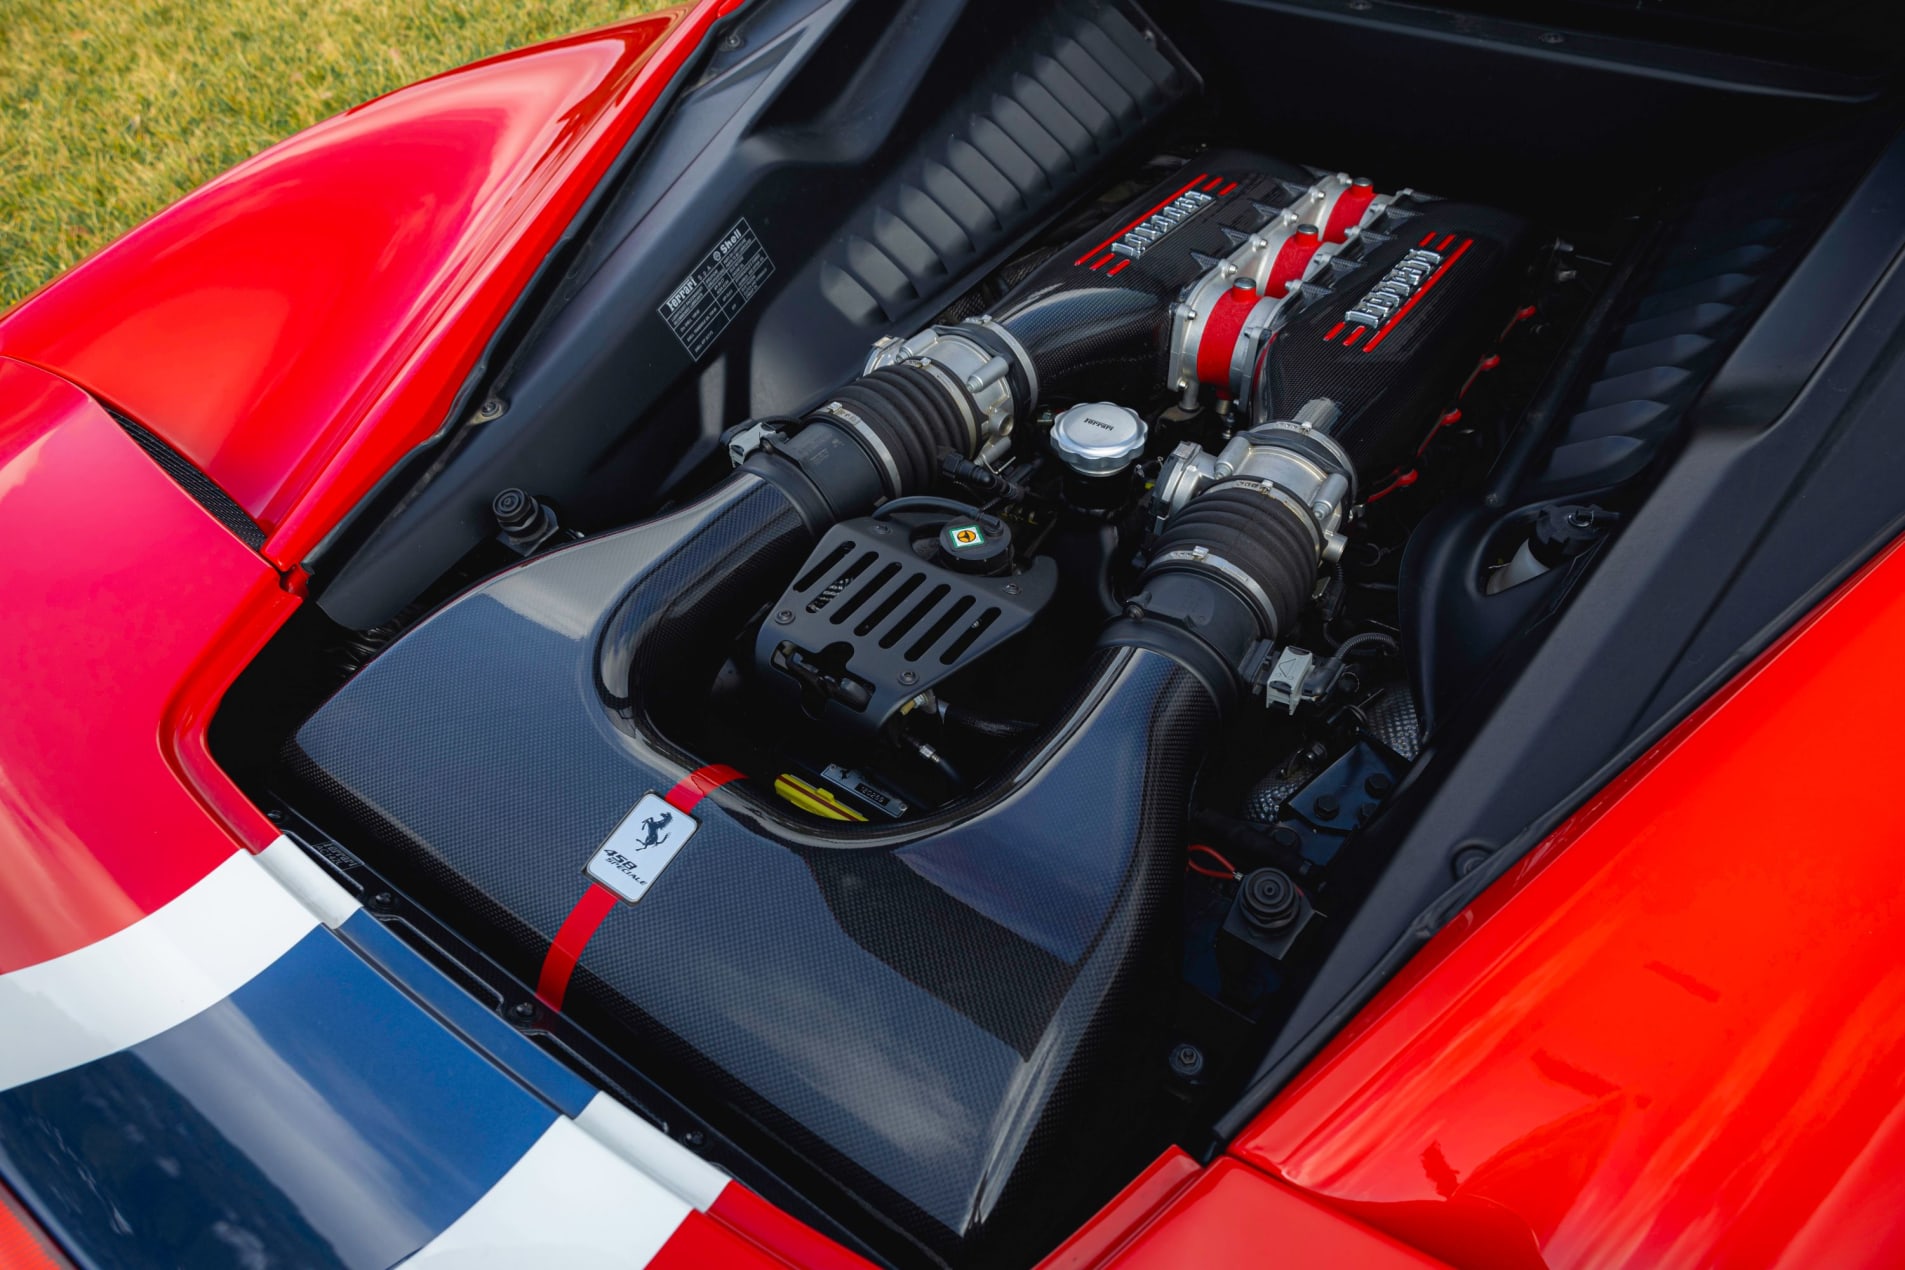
point(1261, 536)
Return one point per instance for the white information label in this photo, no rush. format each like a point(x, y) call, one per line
point(641, 847)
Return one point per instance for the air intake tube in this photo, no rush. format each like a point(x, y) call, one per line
point(879, 437)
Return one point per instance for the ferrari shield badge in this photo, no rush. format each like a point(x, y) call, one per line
point(641, 847)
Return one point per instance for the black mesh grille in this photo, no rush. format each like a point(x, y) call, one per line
point(204, 491)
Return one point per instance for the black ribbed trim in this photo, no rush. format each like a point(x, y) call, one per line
point(203, 489)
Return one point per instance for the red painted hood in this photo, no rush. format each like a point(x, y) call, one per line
point(298, 324)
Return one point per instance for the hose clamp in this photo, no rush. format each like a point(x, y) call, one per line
point(1289, 501)
point(1317, 437)
point(871, 440)
point(987, 322)
point(1202, 558)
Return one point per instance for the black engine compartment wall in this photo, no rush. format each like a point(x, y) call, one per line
point(884, 154)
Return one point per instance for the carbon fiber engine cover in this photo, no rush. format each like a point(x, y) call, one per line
point(1096, 320)
point(925, 1012)
point(1405, 311)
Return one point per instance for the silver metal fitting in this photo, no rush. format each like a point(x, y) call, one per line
point(977, 378)
point(1253, 259)
point(1320, 492)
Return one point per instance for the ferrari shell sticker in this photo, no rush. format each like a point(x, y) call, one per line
point(703, 303)
point(641, 847)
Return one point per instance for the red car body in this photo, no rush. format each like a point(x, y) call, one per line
point(1657, 1041)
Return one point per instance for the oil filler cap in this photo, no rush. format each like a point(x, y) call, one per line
point(1098, 438)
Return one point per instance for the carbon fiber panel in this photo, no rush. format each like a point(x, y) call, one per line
point(1096, 323)
point(1391, 379)
point(920, 1012)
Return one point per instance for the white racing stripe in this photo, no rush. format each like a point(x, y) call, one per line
point(165, 967)
point(306, 879)
point(652, 1151)
point(571, 1201)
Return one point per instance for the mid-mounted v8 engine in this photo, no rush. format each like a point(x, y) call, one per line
point(921, 1005)
point(1334, 319)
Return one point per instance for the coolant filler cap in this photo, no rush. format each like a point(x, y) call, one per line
point(1098, 438)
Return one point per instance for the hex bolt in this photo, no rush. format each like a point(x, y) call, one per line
point(909, 676)
point(491, 409)
point(523, 1011)
point(1186, 1060)
point(383, 899)
point(1379, 784)
point(1012, 588)
point(784, 616)
point(1327, 806)
point(693, 1138)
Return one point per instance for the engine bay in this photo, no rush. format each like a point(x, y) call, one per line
point(953, 646)
point(1010, 724)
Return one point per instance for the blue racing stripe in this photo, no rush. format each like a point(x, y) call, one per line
point(316, 1117)
point(507, 1047)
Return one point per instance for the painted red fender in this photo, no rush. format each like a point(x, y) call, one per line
point(300, 323)
point(1675, 1033)
point(127, 611)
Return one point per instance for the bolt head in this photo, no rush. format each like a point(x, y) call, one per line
point(909, 677)
point(1187, 1060)
point(784, 617)
point(523, 1011)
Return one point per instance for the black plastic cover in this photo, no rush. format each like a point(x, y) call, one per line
point(870, 622)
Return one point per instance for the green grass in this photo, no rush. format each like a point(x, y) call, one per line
point(111, 109)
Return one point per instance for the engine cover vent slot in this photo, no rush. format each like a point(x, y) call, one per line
point(870, 622)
